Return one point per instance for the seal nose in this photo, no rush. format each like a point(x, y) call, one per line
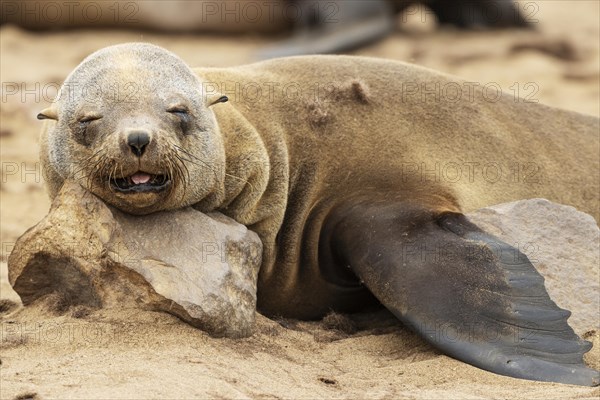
point(137, 141)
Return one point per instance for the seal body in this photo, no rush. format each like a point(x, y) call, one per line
point(335, 127)
point(355, 173)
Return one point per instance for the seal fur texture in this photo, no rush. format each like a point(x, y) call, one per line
point(339, 164)
point(374, 128)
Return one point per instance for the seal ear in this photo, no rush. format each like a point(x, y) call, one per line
point(48, 113)
point(217, 99)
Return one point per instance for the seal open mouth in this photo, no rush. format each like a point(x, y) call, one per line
point(141, 182)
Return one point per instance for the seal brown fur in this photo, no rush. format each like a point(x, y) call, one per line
point(389, 145)
point(337, 164)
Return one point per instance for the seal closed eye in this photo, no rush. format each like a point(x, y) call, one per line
point(344, 176)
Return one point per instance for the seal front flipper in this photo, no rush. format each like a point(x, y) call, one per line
point(471, 295)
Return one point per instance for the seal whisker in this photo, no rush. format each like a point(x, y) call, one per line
point(241, 180)
point(99, 172)
point(97, 169)
point(93, 155)
point(88, 163)
point(121, 171)
point(81, 166)
point(179, 173)
point(210, 167)
point(165, 165)
point(92, 175)
point(193, 157)
point(110, 169)
point(112, 175)
point(179, 167)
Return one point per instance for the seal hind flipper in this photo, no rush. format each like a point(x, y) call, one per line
point(468, 293)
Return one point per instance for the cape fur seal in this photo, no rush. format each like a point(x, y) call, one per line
point(354, 172)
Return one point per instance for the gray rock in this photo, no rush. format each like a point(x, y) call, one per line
point(564, 246)
point(201, 268)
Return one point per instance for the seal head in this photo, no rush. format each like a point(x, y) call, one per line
point(133, 127)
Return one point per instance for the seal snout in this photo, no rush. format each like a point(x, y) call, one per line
point(143, 167)
point(137, 141)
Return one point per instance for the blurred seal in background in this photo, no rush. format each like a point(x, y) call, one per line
point(314, 26)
